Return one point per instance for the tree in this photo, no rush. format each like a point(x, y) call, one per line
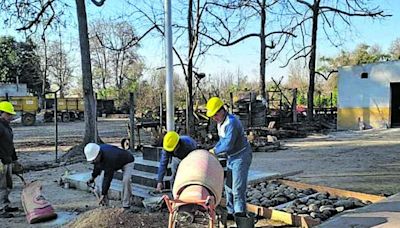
point(186, 32)
point(88, 95)
point(395, 49)
point(33, 14)
point(59, 66)
point(231, 18)
point(114, 50)
point(19, 63)
point(328, 14)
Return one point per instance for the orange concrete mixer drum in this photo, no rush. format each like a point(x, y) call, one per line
point(200, 168)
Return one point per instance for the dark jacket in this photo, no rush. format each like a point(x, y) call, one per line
point(7, 149)
point(186, 145)
point(112, 159)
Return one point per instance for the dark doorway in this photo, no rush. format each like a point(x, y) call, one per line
point(395, 104)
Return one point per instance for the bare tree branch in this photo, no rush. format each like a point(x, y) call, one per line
point(134, 41)
point(38, 16)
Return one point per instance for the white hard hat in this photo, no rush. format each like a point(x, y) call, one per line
point(91, 151)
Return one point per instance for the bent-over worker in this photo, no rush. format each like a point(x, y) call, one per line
point(175, 147)
point(107, 159)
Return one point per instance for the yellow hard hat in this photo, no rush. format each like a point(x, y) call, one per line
point(214, 104)
point(170, 141)
point(7, 107)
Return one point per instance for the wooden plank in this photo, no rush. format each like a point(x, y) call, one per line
point(273, 177)
point(282, 216)
point(334, 191)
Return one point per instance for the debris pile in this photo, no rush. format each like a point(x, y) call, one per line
point(251, 112)
point(322, 206)
point(267, 143)
point(117, 217)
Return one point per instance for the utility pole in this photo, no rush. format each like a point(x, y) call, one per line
point(169, 67)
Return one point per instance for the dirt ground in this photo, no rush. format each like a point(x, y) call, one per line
point(366, 161)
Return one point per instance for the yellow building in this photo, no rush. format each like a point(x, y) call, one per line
point(369, 96)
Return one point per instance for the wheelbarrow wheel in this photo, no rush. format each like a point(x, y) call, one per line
point(125, 143)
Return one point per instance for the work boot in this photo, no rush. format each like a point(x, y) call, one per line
point(10, 209)
point(6, 215)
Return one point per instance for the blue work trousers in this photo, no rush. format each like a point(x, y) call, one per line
point(236, 196)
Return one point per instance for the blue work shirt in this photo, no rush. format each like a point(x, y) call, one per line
point(232, 139)
point(185, 145)
point(112, 159)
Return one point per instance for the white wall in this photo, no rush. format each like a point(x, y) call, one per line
point(13, 90)
point(374, 91)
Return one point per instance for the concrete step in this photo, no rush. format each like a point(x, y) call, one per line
point(151, 153)
point(148, 179)
point(149, 166)
point(78, 181)
point(143, 178)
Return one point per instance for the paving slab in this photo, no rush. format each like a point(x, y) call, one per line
point(385, 213)
point(79, 181)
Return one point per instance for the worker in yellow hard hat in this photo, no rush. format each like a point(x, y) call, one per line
point(233, 143)
point(7, 158)
point(175, 147)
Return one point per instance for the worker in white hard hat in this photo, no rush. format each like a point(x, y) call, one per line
point(107, 159)
point(7, 158)
point(233, 142)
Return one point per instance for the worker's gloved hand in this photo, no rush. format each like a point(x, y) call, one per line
point(160, 186)
point(103, 201)
point(90, 181)
point(17, 168)
point(212, 150)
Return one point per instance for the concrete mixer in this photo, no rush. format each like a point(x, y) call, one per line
point(198, 185)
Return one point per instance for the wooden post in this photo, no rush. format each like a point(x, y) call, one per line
point(132, 121)
point(56, 125)
point(231, 102)
point(331, 104)
point(96, 136)
point(250, 111)
point(294, 105)
point(161, 113)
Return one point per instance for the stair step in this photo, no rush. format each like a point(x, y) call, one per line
point(149, 166)
point(148, 179)
point(78, 181)
point(151, 153)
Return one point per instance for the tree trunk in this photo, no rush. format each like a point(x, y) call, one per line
point(189, 79)
point(263, 52)
point(90, 120)
point(311, 65)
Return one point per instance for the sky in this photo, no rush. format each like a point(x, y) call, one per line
point(245, 56)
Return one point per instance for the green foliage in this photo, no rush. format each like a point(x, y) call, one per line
point(301, 99)
point(19, 62)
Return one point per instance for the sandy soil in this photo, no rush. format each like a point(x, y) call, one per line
point(365, 161)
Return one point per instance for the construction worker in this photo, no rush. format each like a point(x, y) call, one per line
point(233, 143)
point(107, 159)
point(175, 147)
point(7, 158)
